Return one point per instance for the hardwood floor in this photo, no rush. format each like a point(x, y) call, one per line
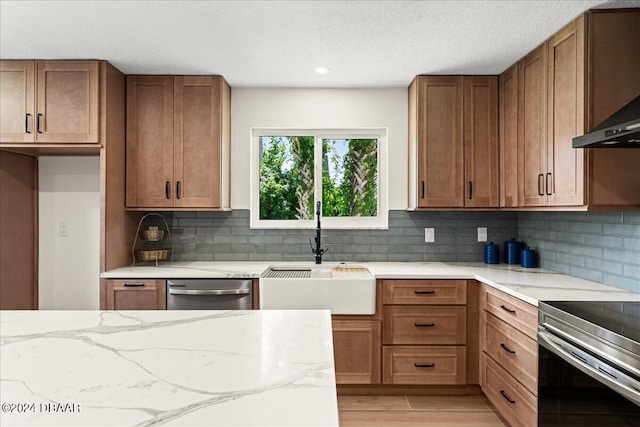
point(409, 411)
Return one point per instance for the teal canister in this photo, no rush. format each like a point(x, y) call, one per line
point(512, 251)
point(491, 254)
point(528, 258)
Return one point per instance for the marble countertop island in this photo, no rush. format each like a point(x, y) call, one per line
point(138, 368)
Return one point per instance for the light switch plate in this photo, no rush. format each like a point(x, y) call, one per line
point(63, 229)
point(429, 235)
point(482, 234)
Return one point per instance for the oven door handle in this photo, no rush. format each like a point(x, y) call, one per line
point(549, 341)
point(209, 291)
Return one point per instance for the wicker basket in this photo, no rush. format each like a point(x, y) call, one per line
point(153, 255)
point(152, 235)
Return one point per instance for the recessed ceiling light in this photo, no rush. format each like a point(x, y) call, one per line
point(322, 70)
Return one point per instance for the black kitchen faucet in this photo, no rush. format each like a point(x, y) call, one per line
point(318, 251)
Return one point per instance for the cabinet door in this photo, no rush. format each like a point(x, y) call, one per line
point(532, 115)
point(136, 295)
point(67, 101)
point(481, 141)
point(150, 142)
point(197, 121)
point(564, 179)
point(17, 101)
point(357, 351)
point(508, 113)
point(440, 142)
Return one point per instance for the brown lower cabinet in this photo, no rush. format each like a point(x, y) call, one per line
point(356, 346)
point(133, 294)
point(509, 356)
point(424, 329)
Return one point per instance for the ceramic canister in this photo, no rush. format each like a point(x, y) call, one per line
point(512, 251)
point(528, 258)
point(491, 254)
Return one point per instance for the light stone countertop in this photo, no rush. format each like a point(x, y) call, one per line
point(138, 368)
point(528, 284)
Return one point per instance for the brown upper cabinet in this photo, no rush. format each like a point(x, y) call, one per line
point(566, 87)
point(508, 120)
point(532, 124)
point(178, 136)
point(49, 101)
point(453, 141)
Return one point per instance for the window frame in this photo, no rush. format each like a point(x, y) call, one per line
point(381, 221)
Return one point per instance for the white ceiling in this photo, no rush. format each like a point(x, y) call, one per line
point(280, 43)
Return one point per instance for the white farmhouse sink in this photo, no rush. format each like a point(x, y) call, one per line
point(343, 290)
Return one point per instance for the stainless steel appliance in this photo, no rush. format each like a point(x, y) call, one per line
point(209, 294)
point(589, 363)
point(621, 130)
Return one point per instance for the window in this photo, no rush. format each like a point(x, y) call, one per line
point(293, 170)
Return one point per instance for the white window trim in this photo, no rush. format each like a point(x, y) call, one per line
point(379, 222)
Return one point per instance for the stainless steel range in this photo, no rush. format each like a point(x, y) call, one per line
point(589, 363)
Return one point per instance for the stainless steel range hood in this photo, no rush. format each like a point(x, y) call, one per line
point(621, 130)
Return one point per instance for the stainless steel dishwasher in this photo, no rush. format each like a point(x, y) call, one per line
point(209, 294)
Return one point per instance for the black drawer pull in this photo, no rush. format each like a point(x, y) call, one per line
point(546, 184)
point(39, 123)
point(422, 191)
point(424, 292)
point(27, 121)
point(508, 310)
point(134, 285)
point(503, 345)
point(167, 190)
point(421, 365)
point(507, 397)
point(424, 325)
point(178, 190)
point(470, 190)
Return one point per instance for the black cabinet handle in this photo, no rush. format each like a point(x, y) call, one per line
point(424, 365)
point(507, 309)
point(134, 285)
point(178, 190)
point(39, 123)
point(424, 325)
point(27, 120)
point(167, 190)
point(546, 184)
point(540, 177)
point(422, 190)
point(424, 292)
point(507, 397)
point(503, 345)
point(470, 190)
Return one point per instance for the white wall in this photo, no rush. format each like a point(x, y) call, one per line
point(317, 109)
point(69, 267)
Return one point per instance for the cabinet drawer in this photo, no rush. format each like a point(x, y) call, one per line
point(425, 292)
point(515, 312)
point(424, 365)
point(514, 402)
point(425, 325)
point(135, 294)
point(513, 350)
